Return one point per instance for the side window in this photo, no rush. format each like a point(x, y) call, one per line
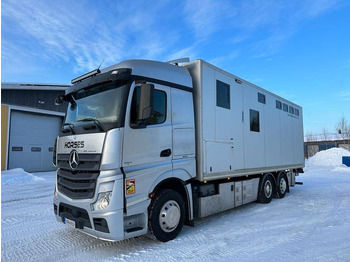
point(291, 110)
point(222, 94)
point(261, 98)
point(160, 104)
point(296, 112)
point(285, 107)
point(278, 104)
point(254, 121)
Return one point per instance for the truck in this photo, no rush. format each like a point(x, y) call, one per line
point(147, 147)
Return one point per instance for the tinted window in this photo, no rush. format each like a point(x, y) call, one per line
point(17, 148)
point(36, 149)
point(254, 121)
point(261, 98)
point(278, 104)
point(291, 110)
point(285, 107)
point(222, 94)
point(159, 101)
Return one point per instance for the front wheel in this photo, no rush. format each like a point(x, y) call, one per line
point(166, 215)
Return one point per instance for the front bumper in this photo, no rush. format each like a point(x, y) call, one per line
point(105, 224)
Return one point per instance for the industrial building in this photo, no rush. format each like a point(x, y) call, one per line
point(30, 122)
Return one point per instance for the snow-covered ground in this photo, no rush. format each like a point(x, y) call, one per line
point(312, 223)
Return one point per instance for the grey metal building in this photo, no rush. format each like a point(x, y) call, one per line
point(30, 122)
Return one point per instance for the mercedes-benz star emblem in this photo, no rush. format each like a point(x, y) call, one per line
point(73, 160)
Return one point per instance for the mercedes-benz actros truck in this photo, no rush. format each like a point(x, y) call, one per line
point(149, 146)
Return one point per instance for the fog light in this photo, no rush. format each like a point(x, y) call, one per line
point(102, 201)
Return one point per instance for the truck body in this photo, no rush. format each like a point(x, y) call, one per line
point(147, 147)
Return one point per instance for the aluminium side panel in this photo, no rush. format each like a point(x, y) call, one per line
point(195, 71)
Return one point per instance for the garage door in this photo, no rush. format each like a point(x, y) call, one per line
point(31, 140)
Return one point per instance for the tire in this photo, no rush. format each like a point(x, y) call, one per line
point(166, 215)
point(282, 185)
point(266, 189)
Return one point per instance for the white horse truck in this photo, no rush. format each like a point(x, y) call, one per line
point(149, 146)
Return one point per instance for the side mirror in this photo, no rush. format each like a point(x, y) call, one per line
point(145, 110)
point(58, 100)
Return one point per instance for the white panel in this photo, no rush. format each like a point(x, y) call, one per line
point(229, 125)
point(272, 132)
point(254, 144)
point(208, 103)
point(287, 149)
point(32, 131)
point(219, 156)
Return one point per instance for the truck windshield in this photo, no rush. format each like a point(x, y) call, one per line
point(100, 106)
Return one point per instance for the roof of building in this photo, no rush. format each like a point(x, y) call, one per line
point(33, 86)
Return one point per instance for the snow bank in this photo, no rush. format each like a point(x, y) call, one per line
point(18, 175)
point(328, 158)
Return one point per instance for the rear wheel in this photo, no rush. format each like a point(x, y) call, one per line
point(282, 185)
point(266, 189)
point(166, 215)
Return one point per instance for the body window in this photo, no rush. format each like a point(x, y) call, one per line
point(296, 112)
point(254, 121)
point(285, 107)
point(278, 104)
point(291, 110)
point(159, 114)
point(261, 98)
point(222, 94)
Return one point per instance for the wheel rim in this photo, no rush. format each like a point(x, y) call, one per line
point(169, 216)
point(268, 189)
point(283, 185)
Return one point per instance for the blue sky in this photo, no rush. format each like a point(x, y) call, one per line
point(299, 49)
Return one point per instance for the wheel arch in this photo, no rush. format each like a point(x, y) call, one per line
point(178, 184)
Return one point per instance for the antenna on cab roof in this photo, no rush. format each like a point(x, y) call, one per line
point(178, 61)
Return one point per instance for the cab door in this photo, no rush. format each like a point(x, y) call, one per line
point(147, 151)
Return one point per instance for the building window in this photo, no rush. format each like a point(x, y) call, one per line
point(278, 104)
point(159, 102)
point(17, 148)
point(291, 110)
point(222, 94)
point(36, 149)
point(254, 121)
point(285, 107)
point(296, 112)
point(261, 98)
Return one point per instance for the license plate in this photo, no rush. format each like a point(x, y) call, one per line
point(69, 222)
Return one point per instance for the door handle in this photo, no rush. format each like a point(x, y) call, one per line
point(165, 153)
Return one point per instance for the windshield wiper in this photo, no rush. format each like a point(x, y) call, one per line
point(96, 122)
point(70, 125)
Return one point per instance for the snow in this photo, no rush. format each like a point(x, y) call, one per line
point(310, 224)
point(327, 158)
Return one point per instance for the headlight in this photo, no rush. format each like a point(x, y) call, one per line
point(102, 202)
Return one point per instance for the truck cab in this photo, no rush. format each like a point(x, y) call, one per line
point(126, 152)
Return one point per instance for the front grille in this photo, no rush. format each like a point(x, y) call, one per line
point(80, 183)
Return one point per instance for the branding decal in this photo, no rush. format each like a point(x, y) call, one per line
point(74, 160)
point(75, 144)
point(130, 186)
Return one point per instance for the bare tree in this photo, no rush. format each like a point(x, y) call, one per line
point(309, 136)
point(325, 134)
point(343, 128)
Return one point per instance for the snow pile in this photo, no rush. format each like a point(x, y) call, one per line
point(328, 158)
point(18, 175)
